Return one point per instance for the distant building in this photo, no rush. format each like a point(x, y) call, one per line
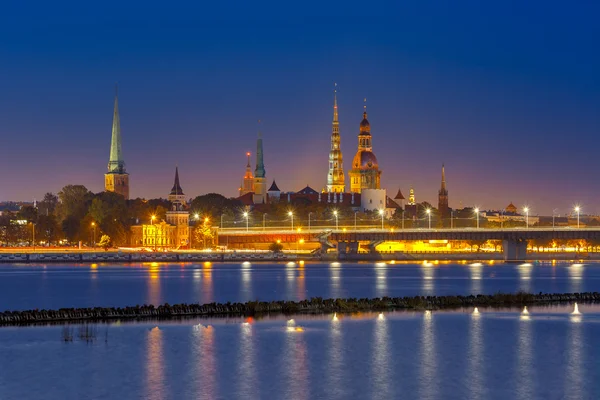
point(443, 207)
point(365, 173)
point(247, 185)
point(172, 233)
point(116, 179)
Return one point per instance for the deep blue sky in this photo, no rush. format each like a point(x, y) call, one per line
point(506, 94)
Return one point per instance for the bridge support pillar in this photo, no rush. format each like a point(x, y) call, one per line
point(342, 247)
point(515, 250)
point(353, 247)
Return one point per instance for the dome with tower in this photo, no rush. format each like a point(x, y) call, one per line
point(365, 173)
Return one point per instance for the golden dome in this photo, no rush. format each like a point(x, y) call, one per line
point(365, 159)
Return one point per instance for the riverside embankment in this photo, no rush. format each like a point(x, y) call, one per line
point(314, 305)
point(241, 256)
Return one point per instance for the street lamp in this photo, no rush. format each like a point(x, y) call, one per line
point(402, 219)
point(477, 214)
point(264, 220)
point(382, 213)
point(355, 212)
point(335, 214)
point(33, 234)
point(152, 218)
point(451, 219)
point(428, 211)
point(554, 211)
point(309, 214)
point(577, 209)
point(206, 219)
point(246, 216)
point(94, 230)
point(291, 214)
point(526, 209)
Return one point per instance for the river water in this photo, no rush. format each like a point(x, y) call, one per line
point(548, 353)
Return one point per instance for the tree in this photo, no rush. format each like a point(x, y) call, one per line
point(73, 202)
point(276, 247)
point(47, 228)
point(214, 204)
point(48, 205)
point(105, 242)
point(110, 213)
point(203, 233)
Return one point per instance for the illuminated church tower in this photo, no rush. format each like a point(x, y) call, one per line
point(116, 180)
point(443, 208)
point(248, 181)
point(365, 173)
point(178, 215)
point(260, 184)
point(335, 176)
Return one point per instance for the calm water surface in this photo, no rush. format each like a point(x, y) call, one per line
point(453, 355)
point(54, 286)
point(547, 354)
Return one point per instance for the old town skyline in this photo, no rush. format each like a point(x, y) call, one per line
point(511, 126)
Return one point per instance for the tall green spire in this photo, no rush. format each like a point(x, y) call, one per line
point(259, 171)
point(116, 163)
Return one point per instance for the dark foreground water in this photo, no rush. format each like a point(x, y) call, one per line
point(494, 354)
point(54, 286)
point(452, 355)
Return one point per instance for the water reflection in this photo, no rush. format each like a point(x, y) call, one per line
point(247, 370)
point(206, 295)
point(335, 359)
point(476, 364)
point(296, 363)
point(155, 365)
point(336, 286)
point(525, 277)
point(575, 277)
point(246, 277)
point(204, 338)
point(427, 381)
point(381, 280)
point(154, 284)
point(476, 270)
point(574, 371)
point(524, 367)
point(380, 364)
point(428, 282)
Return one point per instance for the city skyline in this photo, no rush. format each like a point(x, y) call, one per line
point(432, 103)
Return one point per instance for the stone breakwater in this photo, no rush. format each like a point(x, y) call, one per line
point(314, 305)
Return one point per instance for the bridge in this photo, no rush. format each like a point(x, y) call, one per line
point(514, 240)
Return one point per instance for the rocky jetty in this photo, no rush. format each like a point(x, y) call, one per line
point(313, 305)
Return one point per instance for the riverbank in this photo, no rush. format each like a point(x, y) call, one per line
point(241, 256)
point(314, 305)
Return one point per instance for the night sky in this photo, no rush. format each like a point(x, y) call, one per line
point(506, 94)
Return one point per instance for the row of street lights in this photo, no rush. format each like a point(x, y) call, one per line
point(428, 211)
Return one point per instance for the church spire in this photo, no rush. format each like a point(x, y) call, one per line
point(177, 190)
point(116, 163)
point(443, 189)
point(335, 175)
point(259, 171)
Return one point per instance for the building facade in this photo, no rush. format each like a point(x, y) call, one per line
point(365, 173)
point(116, 179)
point(335, 175)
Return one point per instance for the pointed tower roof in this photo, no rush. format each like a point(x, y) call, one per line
point(399, 195)
point(335, 106)
point(177, 190)
point(443, 178)
point(116, 163)
point(259, 171)
point(274, 187)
